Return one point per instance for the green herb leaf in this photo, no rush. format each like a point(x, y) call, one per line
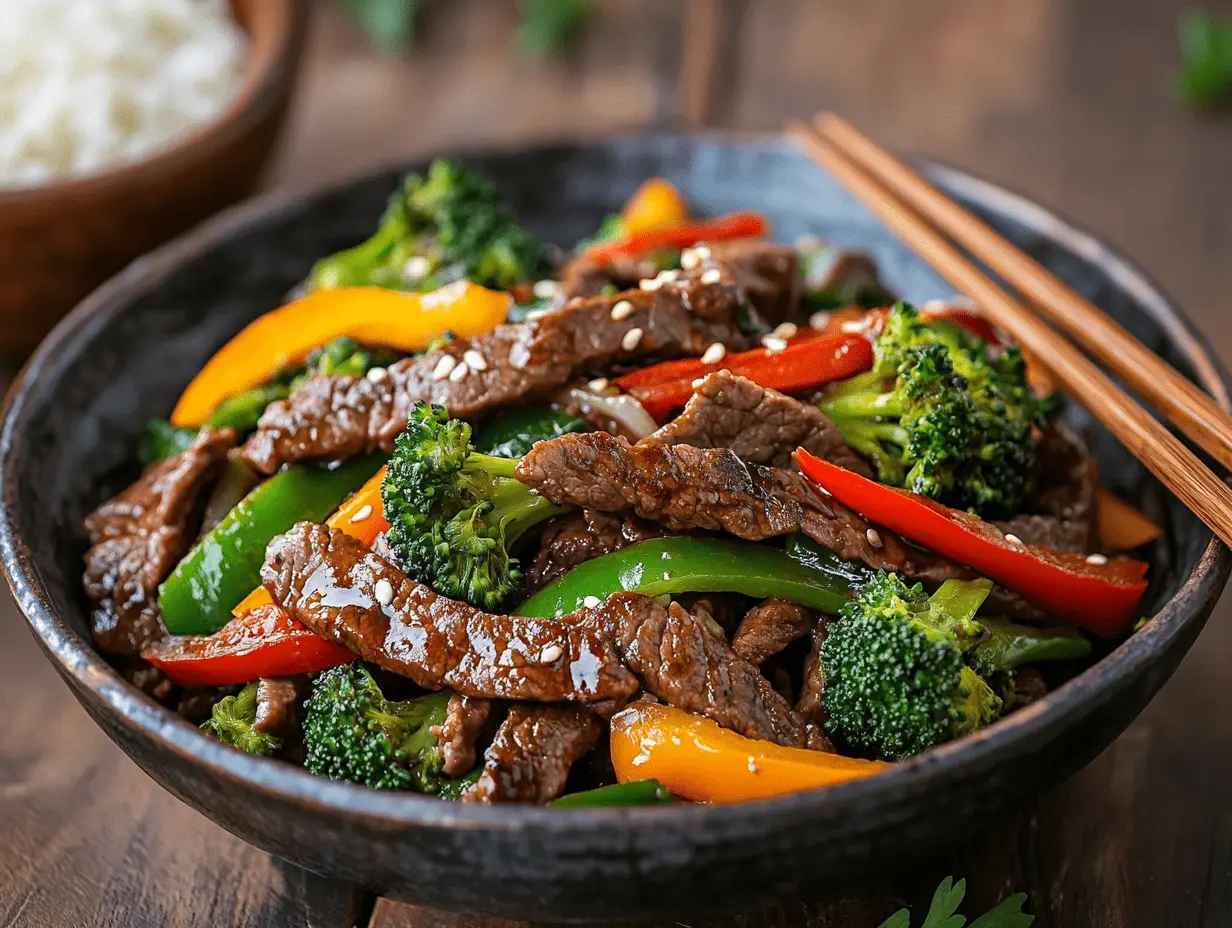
point(550, 26)
point(943, 912)
point(1204, 78)
point(391, 23)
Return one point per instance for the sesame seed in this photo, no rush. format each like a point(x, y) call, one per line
point(474, 360)
point(1013, 539)
point(631, 340)
point(787, 330)
point(853, 325)
point(377, 374)
point(702, 252)
point(545, 289)
point(873, 538)
point(551, 654)
point(1096, 559)
point(362, 513)
point(651, 284)
point(712, 276)
point(621, 310)
point(536, 314)
point(689, 259)
point(752, 765)
point(443, 367)
point(599, 384)
point(415, 269)
point(698, 382)
point(772, 343)
point(384, 591)
point(456, 375)
point(819, 321)
point(714, 354)
point(667, 277)
point(591, 601)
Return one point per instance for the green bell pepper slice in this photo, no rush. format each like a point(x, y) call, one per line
point(692, 565)
point(618, 795)
point(225, 565)
point(510, 433)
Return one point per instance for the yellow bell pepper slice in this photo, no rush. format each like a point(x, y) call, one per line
point(696, 759)
point(1121, 526)
point(371, 315)
point(656, 204)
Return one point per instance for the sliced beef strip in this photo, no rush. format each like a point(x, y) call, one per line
point(575, 538)
point(770, 627)
point(850, 273)
point(597, 656)
point(709, 489)
point(336, 586)
point(534, 748)
point(759, 425)
point(808, 704)
point(337, 417)
point(465, 719)
point(278, 702)
point(584, 277)
point(767, 274)
point(139, 536)
point(683, 663)
point(1048, 532)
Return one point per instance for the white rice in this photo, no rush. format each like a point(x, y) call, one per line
point(88, 84)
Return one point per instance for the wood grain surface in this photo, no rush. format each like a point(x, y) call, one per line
point(1065, 100)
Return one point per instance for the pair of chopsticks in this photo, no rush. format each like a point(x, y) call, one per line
point(912, 207)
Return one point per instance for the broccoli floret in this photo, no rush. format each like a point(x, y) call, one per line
point(1006, 646)
point(232, 720)
point(896, 681)
point(448, 225)
point(455, 514)
point(352, 732)
point(940, 416)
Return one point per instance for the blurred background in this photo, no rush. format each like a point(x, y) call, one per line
point(1096, 109)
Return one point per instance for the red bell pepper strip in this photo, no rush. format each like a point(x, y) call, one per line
point(266, 642)
point(1099, 597)
point(807, 361)
point(734, 225)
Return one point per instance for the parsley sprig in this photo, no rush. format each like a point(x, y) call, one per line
point(943, 912)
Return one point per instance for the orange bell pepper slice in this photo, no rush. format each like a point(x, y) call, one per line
point(656, 204)
point(696, 759)
point(362, 516)
point(1121, 526)
point(371, 315)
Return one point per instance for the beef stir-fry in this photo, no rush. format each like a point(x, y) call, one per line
point(692, 516)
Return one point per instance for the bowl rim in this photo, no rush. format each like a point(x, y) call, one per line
point(259, 93)
point(86, 669)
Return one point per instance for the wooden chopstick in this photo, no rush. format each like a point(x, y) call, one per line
point(1161, 452)
point(1182, 402)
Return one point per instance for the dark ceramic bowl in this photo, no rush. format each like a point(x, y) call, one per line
point(123, 356)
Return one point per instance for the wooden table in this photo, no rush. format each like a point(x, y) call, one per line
point(1066, 100)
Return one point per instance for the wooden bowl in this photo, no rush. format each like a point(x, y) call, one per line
point(68, 442)
point(60, 240)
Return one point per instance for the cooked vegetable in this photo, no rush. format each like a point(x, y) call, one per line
point(893, 664)
point(231, 723)
point(696, 759)
point(1094, 593)
point(724, 228)
point(159, 440)
point(225, 565)
point(808, 361)
point(352, 732)
point(630, 415)
point(942, 913)
point(1006, 646)
point(404, 322)
point(660, 566)
point(266, 642)
point(440, 228)
point(633, 793)
point(656, 204)
point(1121, 527)
point(939, 416)
point(516, 430)
point(550, 26)
point(454, 514)
point(361, 516)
